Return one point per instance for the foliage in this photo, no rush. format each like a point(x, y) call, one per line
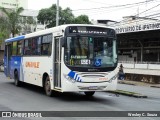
point(26, 22)
point(4, 33)
point(82, 19)
point(66, 16)
point(47, 16)
point(13, 19)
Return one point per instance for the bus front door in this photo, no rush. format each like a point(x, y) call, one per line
point(57, 63)
point(8, 59)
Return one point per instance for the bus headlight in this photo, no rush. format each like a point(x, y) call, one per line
point(113, 78)
point(69, 78)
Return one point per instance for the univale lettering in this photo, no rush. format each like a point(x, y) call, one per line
point(32, 64)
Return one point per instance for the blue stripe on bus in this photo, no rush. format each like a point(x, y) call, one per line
point(15, 39)
point(74, 76)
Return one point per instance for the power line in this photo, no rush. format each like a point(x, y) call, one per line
point(139, 20)
point(101, 11)
point(94, 2)
point(140, 13)
point(152, 15)
point(114, 6)
point(148, 9)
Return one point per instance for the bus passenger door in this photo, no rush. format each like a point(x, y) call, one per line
point(57, 63)
point(8, 59)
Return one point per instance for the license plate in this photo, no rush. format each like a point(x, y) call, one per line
point(93, 88)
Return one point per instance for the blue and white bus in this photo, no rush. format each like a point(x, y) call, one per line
point(65, 58)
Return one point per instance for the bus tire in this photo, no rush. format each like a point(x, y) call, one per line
point(89, 93)
point(16, 79)
point(47, 87)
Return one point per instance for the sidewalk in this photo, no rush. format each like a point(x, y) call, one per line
point(138, 83)
point(139, 88)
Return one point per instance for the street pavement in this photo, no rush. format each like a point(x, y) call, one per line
point(144, 90)
point(32, 98)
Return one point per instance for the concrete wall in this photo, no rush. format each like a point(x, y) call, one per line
point(142, 68)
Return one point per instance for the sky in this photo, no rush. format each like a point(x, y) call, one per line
point(103, 9)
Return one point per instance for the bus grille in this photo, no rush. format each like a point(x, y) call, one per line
point(93, 75)
point(90, 88)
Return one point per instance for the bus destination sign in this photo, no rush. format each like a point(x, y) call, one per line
point(88, 30)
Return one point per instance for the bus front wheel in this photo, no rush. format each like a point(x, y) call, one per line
point(89, 93)
point(16, 79)
point(47, 86)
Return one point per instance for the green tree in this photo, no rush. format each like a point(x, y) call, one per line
point(48, 16)
point(27, 22)
point(4, 33)
point(13, 19)
point(66, 16)
point(82, 19)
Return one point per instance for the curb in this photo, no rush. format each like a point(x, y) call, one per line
point(126, 83)
point(127, 93)
point(155, 86)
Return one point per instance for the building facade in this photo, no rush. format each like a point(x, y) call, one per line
point(14, 3)
point(139, 47)
point(26, 28)
point(138, 39)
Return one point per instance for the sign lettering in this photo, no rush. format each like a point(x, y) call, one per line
point(135, 28)
point(32, 64)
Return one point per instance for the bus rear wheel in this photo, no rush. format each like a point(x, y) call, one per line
point(16, 79)
point(47, 87)
point(89, 93)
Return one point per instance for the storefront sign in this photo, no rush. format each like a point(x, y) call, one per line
point(135, 28)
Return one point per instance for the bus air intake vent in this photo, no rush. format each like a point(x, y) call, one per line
point(92, 88)
point(93, 75)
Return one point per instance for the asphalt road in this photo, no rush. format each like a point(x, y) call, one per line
point(32, 98)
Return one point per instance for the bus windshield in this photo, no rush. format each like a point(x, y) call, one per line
point(82, 51)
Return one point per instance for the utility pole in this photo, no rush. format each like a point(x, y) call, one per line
point(57, 14)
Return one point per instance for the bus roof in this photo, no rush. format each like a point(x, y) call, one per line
point(15, 38)
point(49, 30)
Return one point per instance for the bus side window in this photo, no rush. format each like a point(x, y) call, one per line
point(26, 47)
point(45, 49)
point(46, 44)
point(38, 48)
point(14, 48)
point(19, 48)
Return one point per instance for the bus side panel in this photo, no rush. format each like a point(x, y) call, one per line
point(15, 64)
point(35, 67)
point(5, 66)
